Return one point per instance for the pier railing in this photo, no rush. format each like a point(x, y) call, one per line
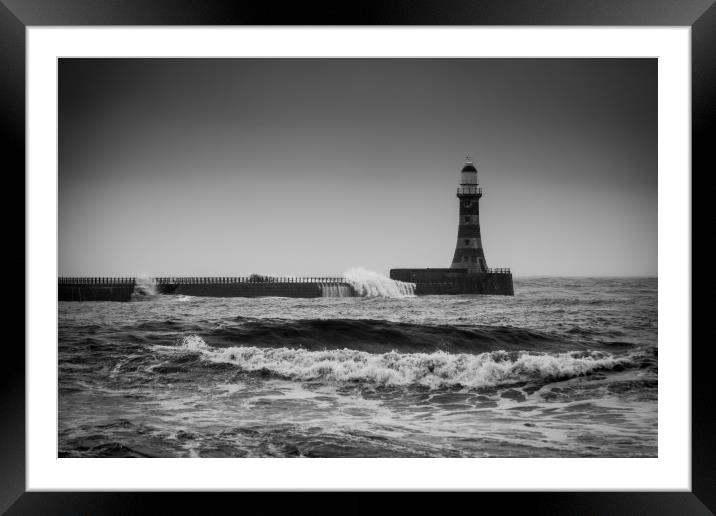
point(246, 279)
point(199, 280)
point(95, 281)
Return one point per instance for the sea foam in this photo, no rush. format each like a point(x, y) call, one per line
point(433, 370)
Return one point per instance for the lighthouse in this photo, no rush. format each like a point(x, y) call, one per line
point(468, 249)
point(468, 272)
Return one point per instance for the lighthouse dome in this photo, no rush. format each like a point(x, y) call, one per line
point(469, 167)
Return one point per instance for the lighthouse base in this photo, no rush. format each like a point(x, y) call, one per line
point(456, 281)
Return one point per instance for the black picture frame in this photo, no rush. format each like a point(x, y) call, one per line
point(16, 15)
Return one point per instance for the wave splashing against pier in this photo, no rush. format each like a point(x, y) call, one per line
point(367, 283)
point(144, 288)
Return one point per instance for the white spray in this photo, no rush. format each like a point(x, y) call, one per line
point(368, 283)
point(144, 287)
point(433, 370)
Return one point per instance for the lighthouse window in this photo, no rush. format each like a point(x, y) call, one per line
point(468, 204)
point(467, 241)
point(467, 218)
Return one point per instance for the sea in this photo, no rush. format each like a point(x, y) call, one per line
point(567, 367)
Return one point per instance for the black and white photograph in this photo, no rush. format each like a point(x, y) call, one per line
point(357, 257)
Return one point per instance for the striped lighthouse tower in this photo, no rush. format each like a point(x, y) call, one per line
point(468, 250)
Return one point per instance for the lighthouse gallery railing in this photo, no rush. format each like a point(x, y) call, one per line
point(469, 190)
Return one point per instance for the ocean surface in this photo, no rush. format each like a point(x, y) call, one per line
point(565, 368)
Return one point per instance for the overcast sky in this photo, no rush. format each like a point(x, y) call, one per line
point(313, 166)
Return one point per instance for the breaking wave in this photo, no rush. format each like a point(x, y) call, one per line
point(367, 283)
point(432, 370)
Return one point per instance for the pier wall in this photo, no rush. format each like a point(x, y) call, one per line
point(122, 289)
point(95, 289)
point(456, 281)
point(243, 289)
point(427, 282)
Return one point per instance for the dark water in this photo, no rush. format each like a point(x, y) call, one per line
point(566, 368)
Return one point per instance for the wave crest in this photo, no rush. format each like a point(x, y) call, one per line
point(433, 370)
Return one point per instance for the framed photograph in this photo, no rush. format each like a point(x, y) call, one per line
point(444, 248)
